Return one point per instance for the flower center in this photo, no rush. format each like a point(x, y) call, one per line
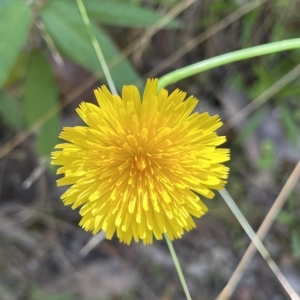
point(141, 162)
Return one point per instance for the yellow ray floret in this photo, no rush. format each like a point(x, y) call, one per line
point(136, 166)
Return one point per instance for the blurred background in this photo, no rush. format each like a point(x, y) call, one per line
point(48, 66)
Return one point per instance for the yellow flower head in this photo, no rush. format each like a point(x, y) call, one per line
point(136, 167)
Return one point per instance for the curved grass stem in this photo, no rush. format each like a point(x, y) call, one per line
point(227, 58)
point(178, 268)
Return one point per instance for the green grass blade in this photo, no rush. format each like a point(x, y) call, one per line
point(258, 244)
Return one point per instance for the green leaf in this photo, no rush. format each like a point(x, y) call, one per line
point(124, 14)
point(4, 3)
point(36, 294)
point(265, 79)
point(10, 110)
point(292, 202)
point(64, 24)
point(19, 70)
point(267, 157)
point(14, 27)
point(40, 97)
point(250, 126)
point(168, 3)
point(296, 243)
point(248, 27)
point(290, 126)
point(291, 90)
point(286, 218)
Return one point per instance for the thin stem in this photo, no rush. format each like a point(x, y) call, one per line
point(258, 244)
point(226, 59)
point(261, 233)
point(97, 47)
point(178, 268)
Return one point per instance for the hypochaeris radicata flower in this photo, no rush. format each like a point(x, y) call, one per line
point(138, 167)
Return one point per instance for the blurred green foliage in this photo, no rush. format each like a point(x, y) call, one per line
point(14, 22)
point(273, 21)
point(57, 26)
point(27, 63)
point(36, 294)
point(267, 157)
point(289, 216)
point(277, 20)
point(39, 99)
